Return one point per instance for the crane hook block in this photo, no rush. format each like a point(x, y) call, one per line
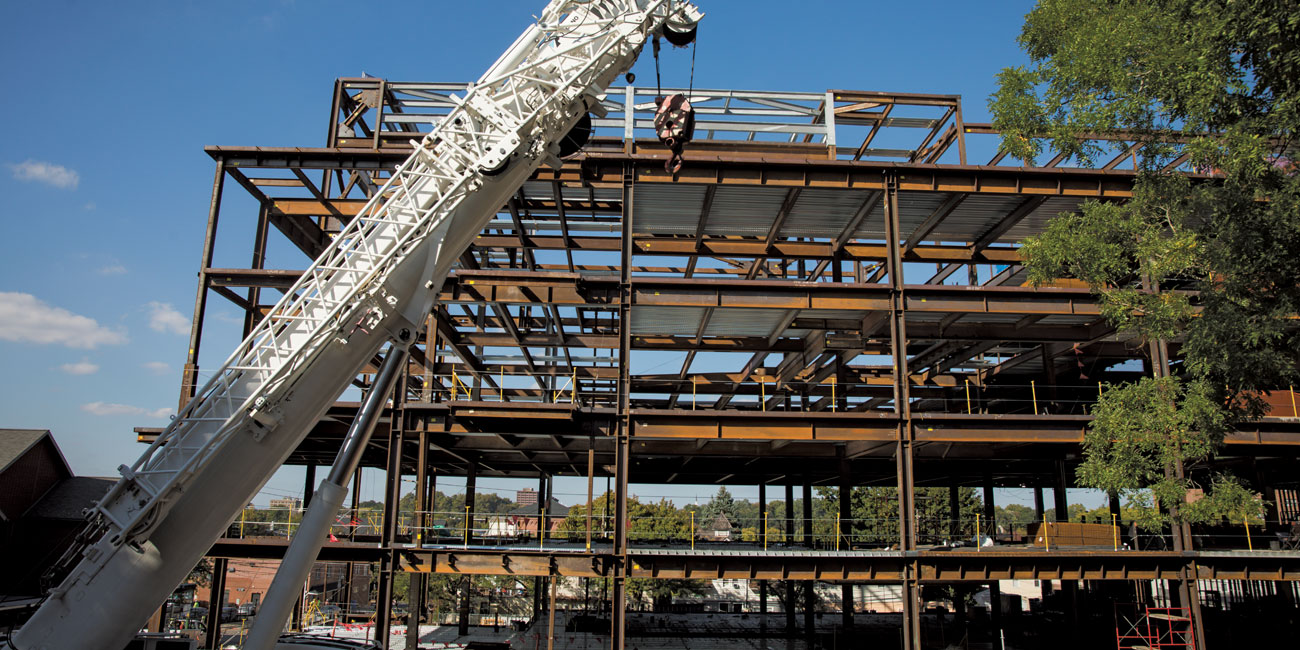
point(675, 126)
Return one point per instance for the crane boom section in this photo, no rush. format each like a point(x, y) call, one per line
point(377, 281)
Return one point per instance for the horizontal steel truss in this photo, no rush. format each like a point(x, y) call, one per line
point(377, 113)
point(881, 566)
point(370, 112)
point(516, 438)
point(524, 287)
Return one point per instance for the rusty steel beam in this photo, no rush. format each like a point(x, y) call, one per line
point(753, 248)
point(605, 167)
point(516, 287)
point(1002, 563)
point(507, 562)
point(273, 548)
point(865, 297)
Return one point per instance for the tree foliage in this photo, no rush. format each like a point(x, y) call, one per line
point(722, 503)
point(659, 521)
point(1141, 432)
point(1210, 261)
point(874, 513)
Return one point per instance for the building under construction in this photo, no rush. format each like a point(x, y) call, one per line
point(827, 294)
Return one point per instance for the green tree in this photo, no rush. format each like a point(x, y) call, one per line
point(722, 503)
point(1013, 513)
point(657, 522)
point(875, 514)
point(1215, 81)
point(747, 515)
point(201, 574)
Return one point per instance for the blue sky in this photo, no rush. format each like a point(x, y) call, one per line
point(104, 185)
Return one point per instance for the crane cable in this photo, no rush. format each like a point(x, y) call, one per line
point(691, 90)
point(659, 81)
point(674, 120)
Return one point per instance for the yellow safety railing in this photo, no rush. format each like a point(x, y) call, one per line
point(456, 385)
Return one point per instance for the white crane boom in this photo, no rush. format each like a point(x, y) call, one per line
point(377, 282)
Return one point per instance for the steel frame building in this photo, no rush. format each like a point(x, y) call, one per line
point(836, 287)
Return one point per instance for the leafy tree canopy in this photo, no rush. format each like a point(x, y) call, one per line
point(1217, 81)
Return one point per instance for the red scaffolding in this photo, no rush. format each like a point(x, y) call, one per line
point(1139, 627)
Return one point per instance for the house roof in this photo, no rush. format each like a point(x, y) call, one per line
point(15, 442)
point(557, 509)
point(70, 497)
point(721, 522)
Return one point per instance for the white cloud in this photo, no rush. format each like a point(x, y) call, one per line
point(26, 319)
point(164, 318)
point(157, 367)
point(110, 409)
point(112, 269)
point(83, 367)
point(49, 173)
point(89, 206)
point(227, 317)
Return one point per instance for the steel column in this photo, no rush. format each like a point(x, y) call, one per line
point(789, 512)
point(189, 376)
point(1060, 499)
point(911, 609)
point(392, 492)
point(789, 540)
point(550, 630)
point(591, 479)
point(618, 595)
point(1069, 588)
point(308, 485)
point(384, 599)
point(541, 505)
point(954, 513)
point(467, 585)
point(617, 638)
point(809, 586)
point(216, 597)
point(809, 611)
point(902, 410)
point(415, 593)
point(807, 515)
point(995, 587)
point(844, 539)
point(762, 523)
point(415, 607)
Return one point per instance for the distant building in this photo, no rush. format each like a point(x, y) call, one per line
point(41, 506)
point(330, 584)
point(522, 521)
point(526, 497)
point(288, 503)
point(248, 580)
point(719, 529)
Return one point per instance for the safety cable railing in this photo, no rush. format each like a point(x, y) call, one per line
point(379, 113)
point(687, 528)
point(582, 386)
point(859, 125)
